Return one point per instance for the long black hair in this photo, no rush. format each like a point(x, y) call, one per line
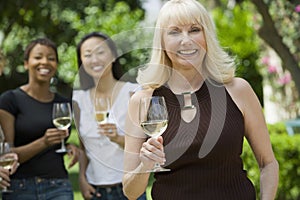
point(86, 81)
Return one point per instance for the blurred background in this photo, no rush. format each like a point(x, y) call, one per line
point(264, 36)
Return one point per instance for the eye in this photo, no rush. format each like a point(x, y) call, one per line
point(87, 55)
point(100, 52)
point(173, 32)
point(37, 57)
point(52, 58)
point(195, 29)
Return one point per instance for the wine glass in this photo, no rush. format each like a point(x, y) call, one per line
point(2, 137)
point(102, 107)
point(61, 116)
point(153, 118)
point(7, 158)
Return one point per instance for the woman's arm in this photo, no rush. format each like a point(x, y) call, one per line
point(119, 139)
point(83, 162)
point(139, 154)
point(86, 189)
point(257, 135)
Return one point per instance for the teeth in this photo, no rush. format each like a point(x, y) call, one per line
point(44, 71)
point(97, 68)
point(187, 52)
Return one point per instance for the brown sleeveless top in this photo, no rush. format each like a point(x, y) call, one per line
point(204, 154)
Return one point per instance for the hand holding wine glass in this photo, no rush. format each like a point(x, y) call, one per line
point(62, 117)
point(8, 161)
point(153, 117)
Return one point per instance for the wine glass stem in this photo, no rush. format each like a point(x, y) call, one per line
point(63, 144)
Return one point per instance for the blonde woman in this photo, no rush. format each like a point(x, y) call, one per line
point(210, 113)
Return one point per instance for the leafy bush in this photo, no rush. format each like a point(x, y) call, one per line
point(278, 128)
point(287, 152)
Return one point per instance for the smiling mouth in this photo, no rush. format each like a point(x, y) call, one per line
point(187, 52)
point(44, 71)
point(97, 68)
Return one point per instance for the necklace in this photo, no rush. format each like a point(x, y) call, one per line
point(187, 98)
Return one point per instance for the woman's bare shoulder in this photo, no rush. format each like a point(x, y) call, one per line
point(238, 85)
point(241, 92)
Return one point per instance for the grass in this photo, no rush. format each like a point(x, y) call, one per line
point(73, 172)
point(73, 176)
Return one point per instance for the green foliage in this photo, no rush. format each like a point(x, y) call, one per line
point(119, 23)
point(287, 153)
point(64, 22)
point(277, 128)
point(235, 30)
point(284, 14)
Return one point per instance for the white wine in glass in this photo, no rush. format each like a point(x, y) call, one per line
point(62, 117)
point(102, 107)
point(7, 159)
point(153, 117)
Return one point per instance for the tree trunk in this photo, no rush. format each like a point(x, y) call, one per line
point(270, 35)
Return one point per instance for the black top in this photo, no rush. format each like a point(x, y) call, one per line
point(204, 154)
point(32, 119)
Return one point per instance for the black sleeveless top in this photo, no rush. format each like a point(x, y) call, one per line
point(204, 154)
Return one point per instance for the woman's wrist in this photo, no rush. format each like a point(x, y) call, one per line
point(120, 140)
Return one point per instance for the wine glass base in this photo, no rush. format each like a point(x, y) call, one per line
point(61, 151)
point(6, 191)
point(159, 169)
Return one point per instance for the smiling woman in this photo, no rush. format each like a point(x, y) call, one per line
point(41, 64)
point(102, 143)
point(26, 118)
point(210, 113)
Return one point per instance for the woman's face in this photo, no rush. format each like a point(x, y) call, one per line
point(41, 63)
point(96, 57)
point(185, 45)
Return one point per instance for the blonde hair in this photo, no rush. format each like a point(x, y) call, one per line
point(217, 65)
